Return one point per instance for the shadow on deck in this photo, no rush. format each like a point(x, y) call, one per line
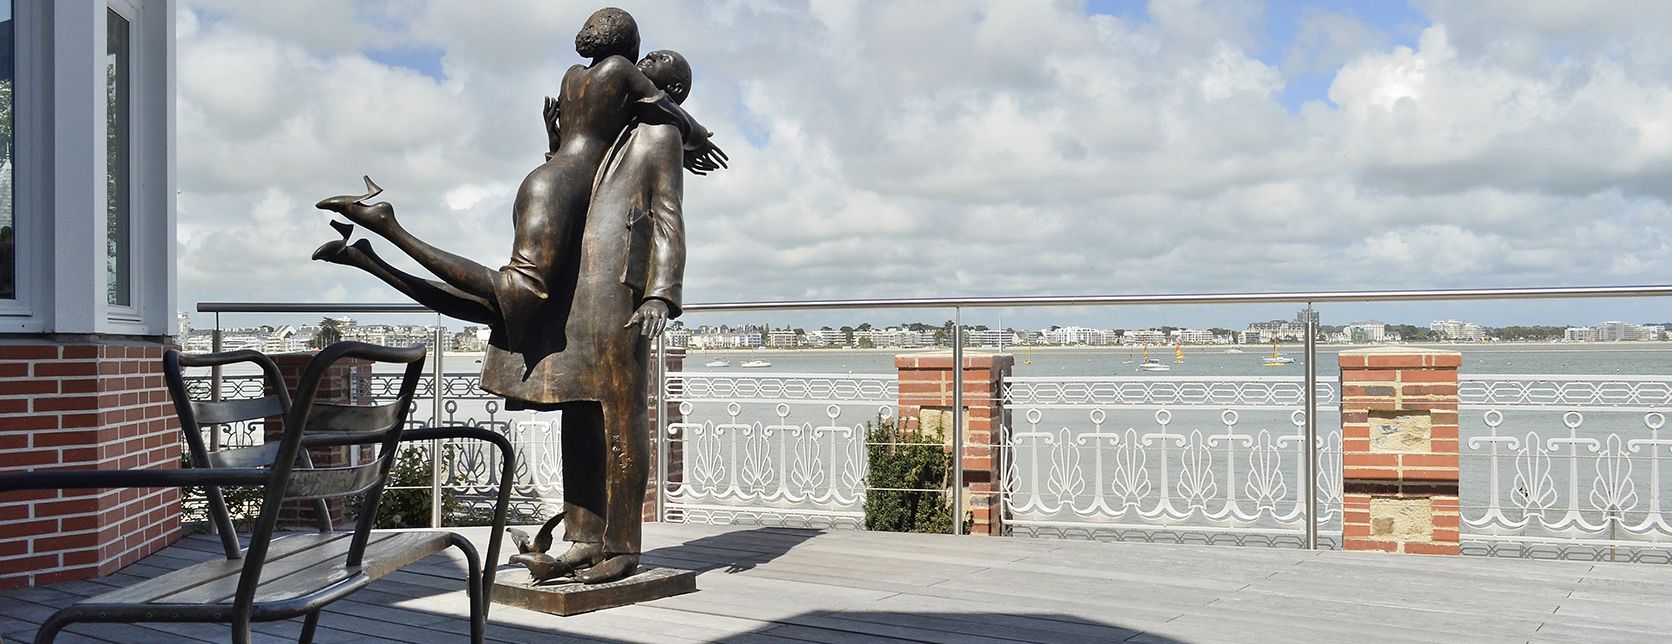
point(779, 585)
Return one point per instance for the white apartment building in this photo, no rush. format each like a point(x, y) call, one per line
point(1144, 336)
point(830, 337)
point(1457, 330)
point(1615, 331)
point(1193, 336)
point(783, 338)
point(1068, 335)
point(1579, 334)
point(1371, 332)
point(992, 338)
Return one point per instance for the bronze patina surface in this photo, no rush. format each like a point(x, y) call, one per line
point(596, 270)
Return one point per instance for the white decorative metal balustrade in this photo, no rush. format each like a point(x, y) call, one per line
point(782, 449)
point(1564, 466)
point(1177, 459)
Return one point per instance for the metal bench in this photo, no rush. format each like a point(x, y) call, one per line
point(295, 575)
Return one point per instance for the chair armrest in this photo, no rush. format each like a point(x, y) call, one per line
point(75, 479)
point(507, 477)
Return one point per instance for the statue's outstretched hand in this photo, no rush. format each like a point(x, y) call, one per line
point(705, 157)
point(651, 318)
point(549, 114)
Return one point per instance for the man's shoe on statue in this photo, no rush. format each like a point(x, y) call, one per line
point(583, 554)
point(614, 568)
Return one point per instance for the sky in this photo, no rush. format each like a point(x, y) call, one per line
point(956, 148)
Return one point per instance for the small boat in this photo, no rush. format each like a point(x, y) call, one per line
point(1151, 364)
point(1277, 360)
point(755, 364)
point(717, 362)
point(1233, 350)
point(1178, 353)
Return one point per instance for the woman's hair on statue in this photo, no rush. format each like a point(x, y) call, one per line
point(609, 31)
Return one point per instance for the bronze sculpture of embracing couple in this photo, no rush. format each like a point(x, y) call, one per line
point(594, 275)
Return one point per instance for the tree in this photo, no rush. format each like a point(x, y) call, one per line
point(330, 332)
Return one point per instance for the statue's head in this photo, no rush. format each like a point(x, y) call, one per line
point(669, 71)
point(609, 32)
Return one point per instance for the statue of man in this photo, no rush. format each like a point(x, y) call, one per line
point(595, 271)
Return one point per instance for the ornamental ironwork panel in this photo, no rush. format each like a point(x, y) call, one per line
point(1176, 459)
point(1566, 466)
point(781, 449)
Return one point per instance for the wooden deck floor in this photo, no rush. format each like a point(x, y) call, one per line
point(776, 585)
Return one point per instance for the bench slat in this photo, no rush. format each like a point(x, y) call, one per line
point(296, 566)
point(382, 557)
point(210, 571)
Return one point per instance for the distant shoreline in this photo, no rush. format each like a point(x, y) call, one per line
point(1625, 345)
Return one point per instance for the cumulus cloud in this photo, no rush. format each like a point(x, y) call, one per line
point(947, 148)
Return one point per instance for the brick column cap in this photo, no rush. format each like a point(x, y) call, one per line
point(943, 360)
point(1425, 357)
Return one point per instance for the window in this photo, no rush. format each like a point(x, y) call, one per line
point(118, 206)
point(8, 230)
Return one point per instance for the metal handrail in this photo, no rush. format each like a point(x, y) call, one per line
point(1315, 297)
point(957, 304)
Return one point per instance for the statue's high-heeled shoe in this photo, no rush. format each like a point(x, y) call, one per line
point(377, 217)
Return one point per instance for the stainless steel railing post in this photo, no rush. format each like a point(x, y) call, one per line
point(215, 383)
point(1310, 489)
point(957, 421)
point(660, 429)
point(437, 405)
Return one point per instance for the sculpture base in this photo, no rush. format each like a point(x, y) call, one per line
point(514, 587)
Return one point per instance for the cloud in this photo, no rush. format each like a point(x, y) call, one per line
point(952, 148)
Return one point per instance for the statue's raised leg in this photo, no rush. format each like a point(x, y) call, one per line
point(468, 276)
point(441, 297)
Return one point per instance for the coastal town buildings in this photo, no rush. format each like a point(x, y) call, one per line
point(1457, 330)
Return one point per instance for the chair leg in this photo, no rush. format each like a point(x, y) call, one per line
point(478, 603)
point(223, 523)
point(309, 625)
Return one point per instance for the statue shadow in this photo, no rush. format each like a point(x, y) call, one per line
point(732, 552)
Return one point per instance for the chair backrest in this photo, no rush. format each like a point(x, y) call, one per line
point(197, 415)
point(324, 424)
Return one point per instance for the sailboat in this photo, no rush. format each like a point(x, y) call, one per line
point(1151, 364)
point(1277, 360)
point(1178, 353)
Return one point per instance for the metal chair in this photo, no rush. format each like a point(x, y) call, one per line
point(295, 575)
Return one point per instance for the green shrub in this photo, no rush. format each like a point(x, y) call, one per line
point(410, 508)
point(907, 484)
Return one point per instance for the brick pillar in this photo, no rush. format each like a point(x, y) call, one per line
point(926, 400)
point(674, 471)
point(84, 405)
point(348, 382)
point(1399, 449)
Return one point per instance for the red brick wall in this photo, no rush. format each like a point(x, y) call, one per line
point(84, 406)
point(348, 381)
point(1399, 450)
point(926, 382)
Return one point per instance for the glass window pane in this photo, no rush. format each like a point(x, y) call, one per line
point(8, 247)
point(116, 164)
